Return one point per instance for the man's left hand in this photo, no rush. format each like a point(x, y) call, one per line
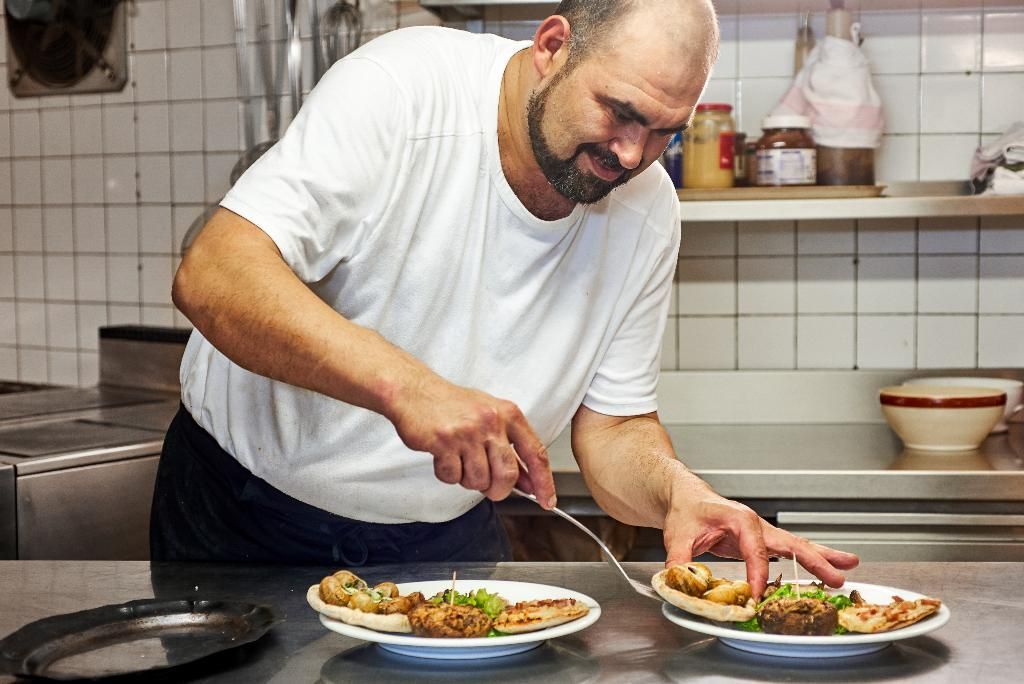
point(701, 521)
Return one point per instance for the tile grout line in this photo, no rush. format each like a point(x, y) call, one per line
point(44, 265)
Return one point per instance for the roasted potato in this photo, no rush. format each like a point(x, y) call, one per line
point(682, 578)
point(332, 591)
point(348, 579)
point(364, 602)
point(401, 604)
point(387, 589)
point(729, 593)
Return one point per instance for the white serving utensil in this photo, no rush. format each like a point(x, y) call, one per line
point(639, 587)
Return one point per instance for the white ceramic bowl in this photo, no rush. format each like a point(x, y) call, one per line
point(942, 418)
point(1014, 392)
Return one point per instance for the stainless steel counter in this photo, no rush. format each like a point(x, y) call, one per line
point(65, 455)
point(831, 462)
point(632, 642)
point(852, 486)
point(68, 401)
point(85, 427)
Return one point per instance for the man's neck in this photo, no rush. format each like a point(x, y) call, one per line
point(518, 163)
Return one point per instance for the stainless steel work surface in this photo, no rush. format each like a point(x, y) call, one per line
point(58, 437)
point(830, 462)
point(97, 511)
point(632, 642)
point(8, 513)
point(155, 415)
point(33, 405)
point(11, 387)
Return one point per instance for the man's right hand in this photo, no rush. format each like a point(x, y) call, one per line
point(474, 438)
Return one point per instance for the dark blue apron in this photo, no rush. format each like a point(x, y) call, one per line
point(208, 507)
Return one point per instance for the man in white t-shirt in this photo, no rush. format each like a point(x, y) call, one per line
point(461, 245)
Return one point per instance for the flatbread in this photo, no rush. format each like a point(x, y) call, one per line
point(396, 622)
point(869, 618)
point(531, 616)
point(719, 612)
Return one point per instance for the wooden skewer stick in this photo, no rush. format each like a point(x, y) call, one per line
point(518, 458)
point(451, 599)
point(796, 576)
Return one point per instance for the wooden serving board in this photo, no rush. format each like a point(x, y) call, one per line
point(781, 192)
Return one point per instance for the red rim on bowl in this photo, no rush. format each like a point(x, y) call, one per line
point(928, 396)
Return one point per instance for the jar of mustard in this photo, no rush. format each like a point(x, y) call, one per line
point(708, 147)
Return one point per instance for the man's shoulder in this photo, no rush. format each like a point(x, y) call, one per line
point(416, 49)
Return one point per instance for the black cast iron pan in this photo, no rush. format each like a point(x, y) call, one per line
point(136, 636)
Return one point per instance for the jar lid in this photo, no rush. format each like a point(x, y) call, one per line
point(786, 121)
point(714, 107)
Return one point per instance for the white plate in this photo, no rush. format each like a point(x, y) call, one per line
point(482, 647)
point(837, 646)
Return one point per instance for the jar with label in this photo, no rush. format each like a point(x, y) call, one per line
point(672, 159)
point(785, 153)
point(739, 160)
point(708, 147)
point(750, 155)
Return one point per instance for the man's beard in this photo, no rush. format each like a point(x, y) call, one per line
point(564, 174)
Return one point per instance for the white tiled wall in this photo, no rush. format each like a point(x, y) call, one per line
point(898, 293)
point(97, 191)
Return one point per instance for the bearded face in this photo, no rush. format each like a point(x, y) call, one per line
point(565, 175)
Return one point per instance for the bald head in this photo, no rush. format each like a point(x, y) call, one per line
point(688, 26)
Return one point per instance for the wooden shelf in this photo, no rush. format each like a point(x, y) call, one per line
point(859, 208)
point(794, 192)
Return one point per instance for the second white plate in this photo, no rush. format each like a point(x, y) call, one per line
point(837, 646)
point(483, 647)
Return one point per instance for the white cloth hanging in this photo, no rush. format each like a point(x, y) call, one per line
point(835, 91)
point(998, 168)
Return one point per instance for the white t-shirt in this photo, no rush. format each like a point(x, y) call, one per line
point(386, 196)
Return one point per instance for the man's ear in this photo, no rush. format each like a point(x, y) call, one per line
point(551, 45)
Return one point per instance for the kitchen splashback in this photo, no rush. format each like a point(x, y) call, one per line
point(96, 192)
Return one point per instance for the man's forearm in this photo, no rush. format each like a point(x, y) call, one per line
point(236, 289)
point(630, 467)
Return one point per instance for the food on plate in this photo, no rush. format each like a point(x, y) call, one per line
point(870, 618)
point(346, 597)
point(805, 615)
point(489, 603)
point(337, 588)
point(798, 617)
point(400, 604)
point(691, 579)
point(811, 611)
point(448, 621)
point(693, 588)
point(530, 616)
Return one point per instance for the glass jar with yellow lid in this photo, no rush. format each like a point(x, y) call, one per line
point(708, 147)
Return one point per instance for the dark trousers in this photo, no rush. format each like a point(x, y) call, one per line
point(208, 507)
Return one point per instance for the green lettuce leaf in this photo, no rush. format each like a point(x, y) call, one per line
point(490, 604)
